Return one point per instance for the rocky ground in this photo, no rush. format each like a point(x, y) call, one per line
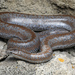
point(62, 63)
point(50, 7)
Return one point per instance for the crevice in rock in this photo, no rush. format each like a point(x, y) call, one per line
point(3, 8)
point(63, 7)
point(65, 10)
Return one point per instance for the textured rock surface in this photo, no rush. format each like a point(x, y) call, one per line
point(64, 6)
point(50, 7)
point(62, 63)
point(71, 51)
point(3, 50)
point(64, 3)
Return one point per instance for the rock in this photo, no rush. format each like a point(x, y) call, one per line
point(71, 51)
point(64, 3)
point(59, 65)
point(66, 7)
point(73, 60)
point(3, 53)
point(16, 67)
point(62, 63)
point(48, 7)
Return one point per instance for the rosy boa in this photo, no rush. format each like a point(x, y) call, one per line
point(58, 32)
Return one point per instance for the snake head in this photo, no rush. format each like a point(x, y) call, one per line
point(11, 51)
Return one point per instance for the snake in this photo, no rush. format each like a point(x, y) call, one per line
point(33, 37)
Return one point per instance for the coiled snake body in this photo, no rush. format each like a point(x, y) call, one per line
point(58, 33)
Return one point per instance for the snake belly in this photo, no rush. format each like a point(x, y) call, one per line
point(57, 32)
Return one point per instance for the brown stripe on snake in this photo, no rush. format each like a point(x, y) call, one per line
point(57, 32)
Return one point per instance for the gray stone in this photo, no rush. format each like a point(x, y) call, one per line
point(62, 63)
point(3, 53)
point(50, 7)
point(56, 66)
point(72, 52)
point(64, 3)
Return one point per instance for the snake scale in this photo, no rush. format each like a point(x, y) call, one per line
point(51, 32)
